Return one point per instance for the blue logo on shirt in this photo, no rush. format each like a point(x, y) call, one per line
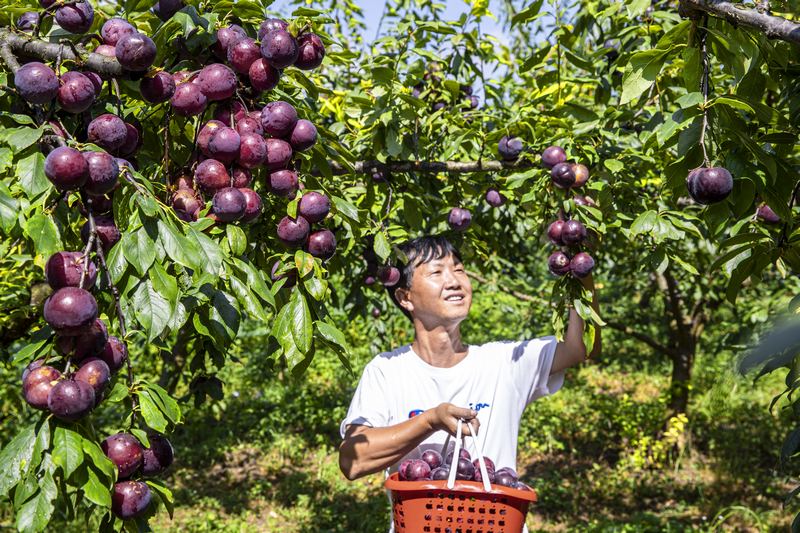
point(478, 406)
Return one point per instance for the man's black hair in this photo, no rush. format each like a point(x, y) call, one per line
point(418, 252)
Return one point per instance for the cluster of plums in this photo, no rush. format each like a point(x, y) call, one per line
point(565, 174)
point(131, 498)
point(431, 87)
point(81, 338)
point(432, 467)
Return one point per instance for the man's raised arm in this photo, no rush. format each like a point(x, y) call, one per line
point(366, 450)
point(572, 351)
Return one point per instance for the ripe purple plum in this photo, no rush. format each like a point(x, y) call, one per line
point(433, 458)
point(226, 36)
point(765, 213)
point(115, 353)
point(242, 177)
point(490, 469)
point(440, 474)
point(321, 243)
point(130, 499)
point(573, 232)
point(552, 156)
point(555, 232)
point(211, 175)
point(418, 470)
point(114, 29)
point(88, 343)
point(303, 136)
point(224, 145)
point(165, 9)
point(278, 118)
point(132, 141)
point(583, 200)
point(208, 129)
point(217, 81)
point(187, 201)
point(36, 83)
point(188, 100)
point(37, 384)
point(581, 265)
point(77, 92)
point(462, 454)
point(283, 183)
point(224, 111)
point(242, 54)
point(108, 131)
point(279, 48)
point(107, 231)
point(459, 219)
point(28, 21)
point(75, 18)
point(314, 206)
point(271, 25)
point(97, 81)
point(228, 204)
point(581, 172)
point(253, 205)
point(379, 177)
point(279, 154)
point(135, 51)
point(70, 310)
point(106, 50)
point(709, 185)
point(293, 232)
point(311, 51)
point(558, 263)
point(401, 470)
point(66, 168)
point(509, 148)
point(465, 470)
point(506, 478)
point(158, 457)
point(563, 176)
point(157, 88)
point(71, 400)
point(125, 451)
point(252, 150)
point(389, 276)
point(64, 269)
point(494, 198)
point(263, 76)
point(249, 125)
point(95, 373)
point(103, 173)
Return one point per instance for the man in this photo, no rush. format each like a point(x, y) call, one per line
point(409, 399)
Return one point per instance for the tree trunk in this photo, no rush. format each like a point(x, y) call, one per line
point(682, 363)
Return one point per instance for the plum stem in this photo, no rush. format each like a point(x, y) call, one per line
point(89, 242)
point(704, 88)
point(117, 96)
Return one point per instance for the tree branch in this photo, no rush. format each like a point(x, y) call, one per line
point(641, 337)
point(773, 27)
point(25, 45)
point(364, 167)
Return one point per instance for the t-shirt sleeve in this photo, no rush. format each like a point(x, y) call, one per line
point(368, 407)
point(531, 361)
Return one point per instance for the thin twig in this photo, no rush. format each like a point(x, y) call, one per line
point(89, 242)
point(704, 88)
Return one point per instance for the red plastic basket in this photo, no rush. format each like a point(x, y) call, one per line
point(430, 507)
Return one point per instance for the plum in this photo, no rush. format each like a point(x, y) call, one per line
point(75, 18)
point(462, 454)
point(107, 131)
point(242, 177)
point(311, 51)
point(552, 156)
point(28, 21)
point(70, 310)
point(224, 145)
point(709, 185)
point(581, 265)
point(158, 457)
point(418, 470)
point(583, 200)
point(157, 88)
point(106, 50)
point(555, 232)
point(103, 173)
point(279, 154)
point(279, 48)
point(77, 92)
point(165, 9)
point(132, 141)
point(88, 343)
point(64, 269)
point(66, 168)
point(765, 213)
point(70, 400)
point(581, 174)
point(252, 150)
point(314, 206)
point(242, 54)
point(440, 473)
point(115, 353)
point(283, 183)
point(135, 51)
point(125, 451)
point(204, 136)
point(459, 219)
point(558, 263)
point(290, 276)
point(573, 232)
point(433, 458)
point(263, 76)
point(303, 136)
point(227, 110)
point(249, 125)
point(107, 231)
point(509, 148)
point(188, 100)
point(506, 478)
point(379, 177)
point(226, 36)
point(389, 276)
point(36, 83)
point(563, 176)
point(253, 205)
point(228, 204)
point(278, 118)
point(114, 29)
point(271, 25)
point(211, 175)
point(187, 201)
point(321, 243)
point(293, 232)
point(494, 198)
point(96, 373)
point(130, 499)
point(217, 81)
point(401, 470)
point(465, 470)
point(37, 384)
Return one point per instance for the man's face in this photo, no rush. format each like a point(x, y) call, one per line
point(440, 292)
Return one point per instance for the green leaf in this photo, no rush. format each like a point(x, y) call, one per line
point(381, 246)
point(152, 415)
point(95, 491)
point(300, 317)
point(345, 208)
point(224, 317)
point(304, 262)
point(210, 254)
point(332, 334)
point(16, 457)
point(118, 393)
point(180, 249)
point(20, 138)
point(9, 209)
point(67, 449)
point(164, 494)
point(140, 249)
point(316, 287)
point(237, 241)
point(644, 223)
point(44, 233)
point(92, 450)
point(152, 309)
point(30, 172)
point(34, 515)
point(613, 165)
point(165, 284)
point(641, 72)
point(166, 403)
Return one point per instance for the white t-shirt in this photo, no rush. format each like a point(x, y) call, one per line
point(497, 379)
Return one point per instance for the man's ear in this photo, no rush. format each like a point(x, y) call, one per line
point(401, 295)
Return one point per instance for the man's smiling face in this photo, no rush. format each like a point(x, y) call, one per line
point(440, 292)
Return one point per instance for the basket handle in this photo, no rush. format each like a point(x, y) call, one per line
point(451, 478)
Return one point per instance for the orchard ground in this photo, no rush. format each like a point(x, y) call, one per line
point(264, 458)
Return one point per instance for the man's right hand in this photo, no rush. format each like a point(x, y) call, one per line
point(446, 415)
